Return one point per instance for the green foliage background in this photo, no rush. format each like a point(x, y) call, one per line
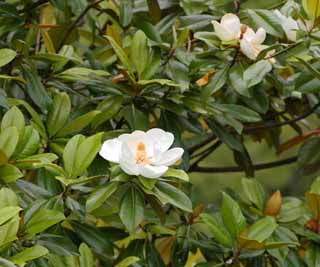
point(76, 73)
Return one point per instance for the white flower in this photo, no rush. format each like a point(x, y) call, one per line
point(142, 153)
point(229, 29)
point(251, 43)
point(289, 25)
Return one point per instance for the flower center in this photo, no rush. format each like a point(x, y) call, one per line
point(141, 154)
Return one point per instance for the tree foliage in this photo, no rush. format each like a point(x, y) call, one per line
point(84, 81)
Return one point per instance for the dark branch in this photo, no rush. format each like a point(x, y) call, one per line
point(195, 147)
point(34, 5)
point(261, 166)
point(206, 153)
point(280, 124)
point(76, 22)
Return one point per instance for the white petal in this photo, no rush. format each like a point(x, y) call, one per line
point(132, 140)
point(260, 36)
point(150, 171)
point(232, 23)
point(127, 161)
point(159, 138)
point(247, 49)
point(249, 35)
point(170, 157)
point(111, 150)
point(223, 33)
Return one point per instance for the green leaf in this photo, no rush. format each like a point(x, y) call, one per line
point(256, 72)
point(8, 198)
point(266, 19)
point(100, 195)
point(127, 261)
point(216, 82)
point(313, 255)
point(29, 254)
point(120, 53)
point(9, 138)
point(219, 232)
point(176, 173)
point(126, 12)
point(232, 216)
point(9, 173)
point(237, 82)
point(169, 194)
point(28, 143)
point(7, 213)
point(6, 55)
point(158, 81)
point(312, 7)
point(109, 107)
point(78, 123)
point(42, 220)
point(9, 231)
point(240, 113)
point(35, 116)
point(136, 119)
point(253, 192)
point(80, 152)
point(81, 74)
point(86, 256)
point(132, 209)
point(35, 89)
point(96, 238)
point(59, 113)
point(6, 263)
point(262, 229)
point(13, 117)
point(139, 52)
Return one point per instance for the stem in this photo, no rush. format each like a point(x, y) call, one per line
point(261, 166)
point(77, 20)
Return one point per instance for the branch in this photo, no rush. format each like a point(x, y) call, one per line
point(261, 166)
point(29, 8)
point(77, 20)
point(280, 124)
point(195, 147)
point(206, 153)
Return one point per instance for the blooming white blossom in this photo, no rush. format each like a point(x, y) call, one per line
point(289, 25)
point(142, 153)
point(251, 43)
point(229, 29)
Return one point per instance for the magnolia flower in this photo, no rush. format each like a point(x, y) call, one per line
point(251, 43)
point(229, 29)
point(142, 153)
point(289, 25)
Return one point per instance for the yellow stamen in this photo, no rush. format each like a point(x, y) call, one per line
point(141, 154)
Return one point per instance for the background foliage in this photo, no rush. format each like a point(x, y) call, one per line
point(76, 73)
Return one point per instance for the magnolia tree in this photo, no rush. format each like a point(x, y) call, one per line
point(107, 106)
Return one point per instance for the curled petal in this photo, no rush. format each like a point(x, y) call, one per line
point(159, 138)
point(223, 33)
point(232, 23)
point(260, 36)
point(111, 150)
point(150, 171)
point(170, 157)
point(247, 49)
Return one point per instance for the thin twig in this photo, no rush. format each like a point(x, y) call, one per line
point(261, 166)
point(205, 142)
point(29, 8)
point(206, 153)
point(280, 124)
point(77, 20)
